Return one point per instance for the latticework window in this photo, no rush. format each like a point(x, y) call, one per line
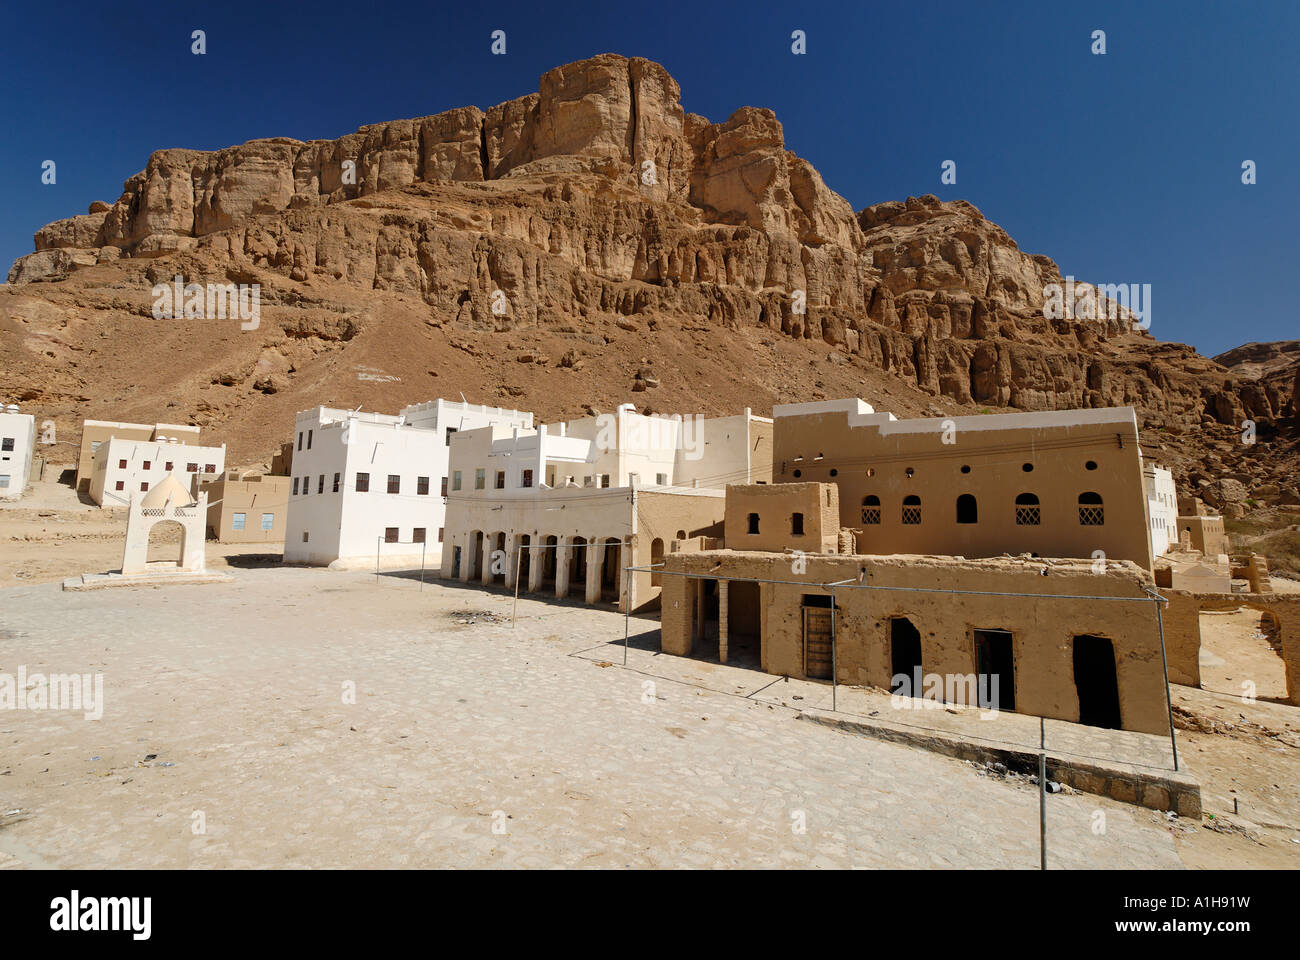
point(1028, 516)
point(870, 514)
point(1091, 516)
point(911, 515)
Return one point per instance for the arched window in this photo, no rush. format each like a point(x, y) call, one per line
point(967, 509)
point(1027, 510)
point(912, 509)
point(871, 509)
point(1090, 510)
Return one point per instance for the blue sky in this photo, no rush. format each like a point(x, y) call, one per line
point(1125, 168)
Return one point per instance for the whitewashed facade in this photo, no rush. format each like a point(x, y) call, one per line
point(368, 488)
point(565, 507)
point(17, 441)
point(1162, 507)
point(124, 466)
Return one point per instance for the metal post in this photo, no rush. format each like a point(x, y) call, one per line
point(834, 664)
point(627, 611)
point(1164, 660)
point(1043, 795)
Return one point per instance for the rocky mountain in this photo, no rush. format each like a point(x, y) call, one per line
point(585, 245)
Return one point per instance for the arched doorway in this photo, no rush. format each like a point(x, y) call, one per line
point(166, 543)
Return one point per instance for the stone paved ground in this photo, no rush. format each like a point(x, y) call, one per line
point(238, 690)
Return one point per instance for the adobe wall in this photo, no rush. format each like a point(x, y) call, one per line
point(775, 505)
point(988, 464)
point(1182, 617)
point(1285, 607)
point(1043, 630)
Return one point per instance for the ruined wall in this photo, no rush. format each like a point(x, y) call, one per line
point(1182, 617)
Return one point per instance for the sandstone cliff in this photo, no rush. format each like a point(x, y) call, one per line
point(623, 242)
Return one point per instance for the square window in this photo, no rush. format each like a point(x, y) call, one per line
point(417, 535)
point(121, 464)
point(661, 479)
point(169, 466)
point(120, 485)
point(363, 483)
point(422, 486)
point(4, 480)
point(604, 479)
point(148, 464)
point(238, 522)
point(144, 487)
point(390, 534)
point(268, 521)
point(209, 468)
point(191, 468)
point(394, 483)
point(527, 479)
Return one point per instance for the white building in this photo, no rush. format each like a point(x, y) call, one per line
point(371, 487)
point(17, 441)
point(1162, 507)
point(571, 504)
point(123, 466)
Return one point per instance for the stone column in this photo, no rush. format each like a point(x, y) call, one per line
point(722, 621)
point(536, 562)
point(489, 545)
point(511, 548)
point(467, 557)
point(595, 554)
point(562, 567)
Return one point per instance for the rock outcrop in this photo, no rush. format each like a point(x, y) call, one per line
point(598, 202)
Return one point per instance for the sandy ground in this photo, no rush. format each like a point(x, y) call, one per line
point(475, 743)
point(51, 534)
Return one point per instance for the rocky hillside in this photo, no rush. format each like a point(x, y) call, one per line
point(585, 245)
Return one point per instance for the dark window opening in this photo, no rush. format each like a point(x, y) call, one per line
point(390, 534)
point(796, 525)
point(363, 483)
point(1091, 512)
point(871, 509)
point(753, 523)
point(912, 509)
point(1028, 512)
point(967, 509)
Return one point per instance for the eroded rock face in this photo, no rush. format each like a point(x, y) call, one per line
point(599, 196)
